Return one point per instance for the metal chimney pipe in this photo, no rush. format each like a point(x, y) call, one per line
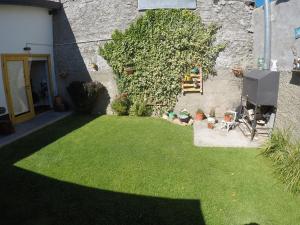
point(267, 41)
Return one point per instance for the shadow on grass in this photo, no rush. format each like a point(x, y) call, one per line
point(28, 198)
point(28, 145)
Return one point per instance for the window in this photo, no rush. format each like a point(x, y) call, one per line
point(167, 4)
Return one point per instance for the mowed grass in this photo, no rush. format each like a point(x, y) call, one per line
point(125, 171)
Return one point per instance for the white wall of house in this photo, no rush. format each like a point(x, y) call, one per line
point(20, 25)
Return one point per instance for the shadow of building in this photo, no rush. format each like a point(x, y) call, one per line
point(69, 62)
point(29, 198)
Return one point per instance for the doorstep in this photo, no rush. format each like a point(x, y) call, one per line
point(40, 121)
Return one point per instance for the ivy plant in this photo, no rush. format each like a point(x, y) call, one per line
point(162, 45)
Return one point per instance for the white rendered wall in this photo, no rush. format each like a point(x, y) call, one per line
point(20, 25)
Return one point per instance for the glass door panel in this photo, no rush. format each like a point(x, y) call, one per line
point(18, 88)
point(17, 84)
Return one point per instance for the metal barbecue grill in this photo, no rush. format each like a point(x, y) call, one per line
point(259, 101)
point(260, 87)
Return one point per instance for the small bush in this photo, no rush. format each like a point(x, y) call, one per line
point(286, 157)
point(121, 105)
point(84, 95)
point(140, 108)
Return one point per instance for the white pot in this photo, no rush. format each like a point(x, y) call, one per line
point(211, 120)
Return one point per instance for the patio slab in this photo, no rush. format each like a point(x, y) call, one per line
point(218, 137)
point(28, 127)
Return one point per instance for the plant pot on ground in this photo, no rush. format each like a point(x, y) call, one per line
point(227, 117)
point(184, 116)
point(59, 104)
point(211, 120)
point(58, 100)
point(210, 125)
point(199, 115)
point(212, 113)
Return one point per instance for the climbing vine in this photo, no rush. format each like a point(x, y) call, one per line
point(161, 45)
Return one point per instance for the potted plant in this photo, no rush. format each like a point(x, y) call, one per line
point(199, 115)
point(184, 116)
point(211, 120)
point(212, 113)
point(210, 125)
point(227, 117)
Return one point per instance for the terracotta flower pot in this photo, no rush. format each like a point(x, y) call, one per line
point(210, 126)
point(199, 116)
point(228, 118)
point(58, 100)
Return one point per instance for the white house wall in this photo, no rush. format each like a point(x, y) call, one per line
point(20, 25)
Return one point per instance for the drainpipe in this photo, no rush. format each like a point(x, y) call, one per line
point(267, 42)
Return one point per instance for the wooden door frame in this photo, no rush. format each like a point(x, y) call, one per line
point(7, 58)
point(25, 58)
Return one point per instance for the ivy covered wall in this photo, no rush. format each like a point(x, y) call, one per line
point(161, 46)
point(89, 23)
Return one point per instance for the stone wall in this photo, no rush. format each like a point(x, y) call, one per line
point(223, 91)
point(285, 18)
point(82, 24)
point(79, 29)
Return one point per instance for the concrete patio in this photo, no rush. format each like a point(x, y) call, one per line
point(26, 128)
point(218, 137)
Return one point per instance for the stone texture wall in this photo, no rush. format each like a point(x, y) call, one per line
point(284, 19)
point(79, 29)
point(288, 115)
point(90, 21)
point(223, 91)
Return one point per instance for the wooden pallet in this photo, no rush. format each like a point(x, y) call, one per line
point(189, 86)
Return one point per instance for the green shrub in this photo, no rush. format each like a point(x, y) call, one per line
point(84, 95)
point(140, 108)
point(286, 157)
point(121, 105)
point(162, 46)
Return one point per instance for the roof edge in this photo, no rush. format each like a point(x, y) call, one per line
point(51, 5)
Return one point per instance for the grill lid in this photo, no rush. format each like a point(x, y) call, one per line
point(257, 74)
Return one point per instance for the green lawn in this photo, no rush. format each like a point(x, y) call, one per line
point(136, 171)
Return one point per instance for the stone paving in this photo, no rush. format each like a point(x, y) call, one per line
point(218, 137)
point(28, 127)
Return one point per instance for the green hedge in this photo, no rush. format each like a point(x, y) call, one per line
point(162, 45)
